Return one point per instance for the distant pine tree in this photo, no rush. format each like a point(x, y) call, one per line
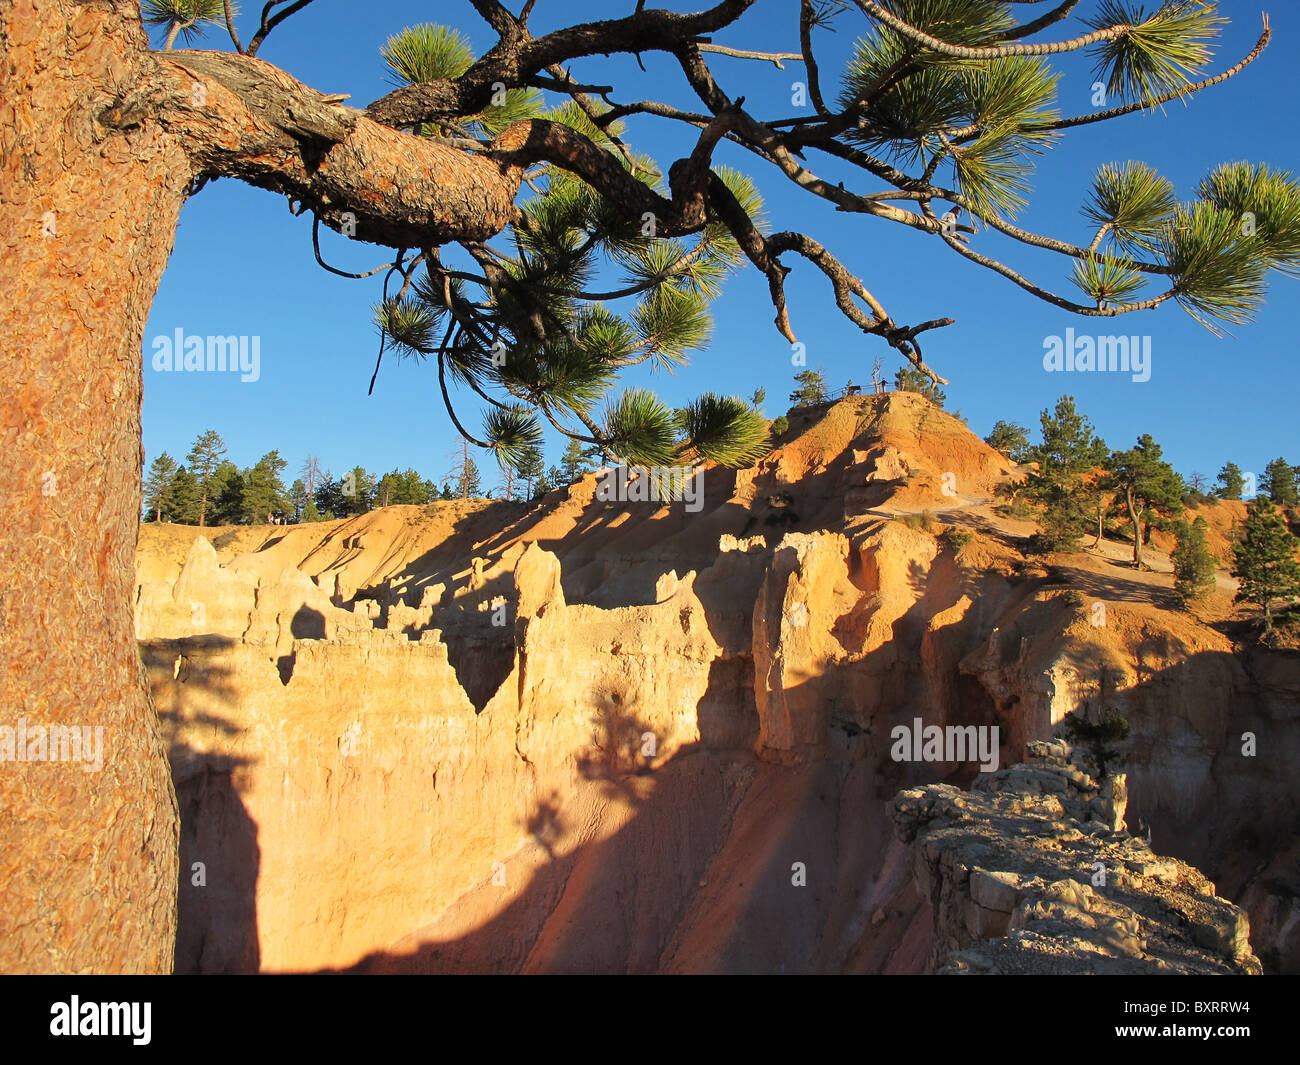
point(264, 492)
point(157, 487)
point(576, 461)
point(227, 504)
point(1064, 485)
point(184, 496)
point(1265, 559)
point(298, 499)
point(529, 466)
point(329, 500)
point(1230, 482)
point(909, 379)
point(1194, 566)
point(203, 460)
point(1010, 439)
point(1279, 483)
point(1148, 486)
point(812, 388)
point(358, 492)
point(469, 484)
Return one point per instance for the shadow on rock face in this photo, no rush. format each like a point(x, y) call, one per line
point(216, 902)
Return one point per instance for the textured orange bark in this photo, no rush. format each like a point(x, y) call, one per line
point(89, 861)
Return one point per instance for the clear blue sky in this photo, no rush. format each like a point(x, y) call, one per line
point(243, 265)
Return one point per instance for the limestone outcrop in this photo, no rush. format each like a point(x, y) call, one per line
point(1033, 872)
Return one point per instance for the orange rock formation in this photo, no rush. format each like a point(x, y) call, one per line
point(583, 736)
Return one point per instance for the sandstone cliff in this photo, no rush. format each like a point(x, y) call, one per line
point(587, 736)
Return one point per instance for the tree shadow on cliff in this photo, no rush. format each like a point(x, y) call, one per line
point(307, 624)
point(216, 902)
point(717, 862)
point(614, 905)
point(623, 744)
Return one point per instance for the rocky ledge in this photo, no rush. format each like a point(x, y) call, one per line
point(1033, 871)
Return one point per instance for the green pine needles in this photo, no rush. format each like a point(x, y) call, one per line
point(528, 329)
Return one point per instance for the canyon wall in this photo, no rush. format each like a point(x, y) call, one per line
point(586, 736)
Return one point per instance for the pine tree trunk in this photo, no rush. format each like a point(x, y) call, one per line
point(1137, 529)
point(88, 872)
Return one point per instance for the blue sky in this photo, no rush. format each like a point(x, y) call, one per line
point(243, 265)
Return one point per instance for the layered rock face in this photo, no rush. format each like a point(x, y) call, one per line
point(1032, 871)
point(591, 736)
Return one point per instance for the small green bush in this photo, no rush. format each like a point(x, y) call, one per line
point(780, 425)
point(956, 537)
point(1074, 597)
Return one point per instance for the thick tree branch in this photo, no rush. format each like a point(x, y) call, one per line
point(806, 18)
point(514, 62)
point(269, 21)
point(262, 126)
point(541, 140)
point(496, 16)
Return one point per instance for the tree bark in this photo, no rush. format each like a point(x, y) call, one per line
point(1137, 528)
point(88, 873)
